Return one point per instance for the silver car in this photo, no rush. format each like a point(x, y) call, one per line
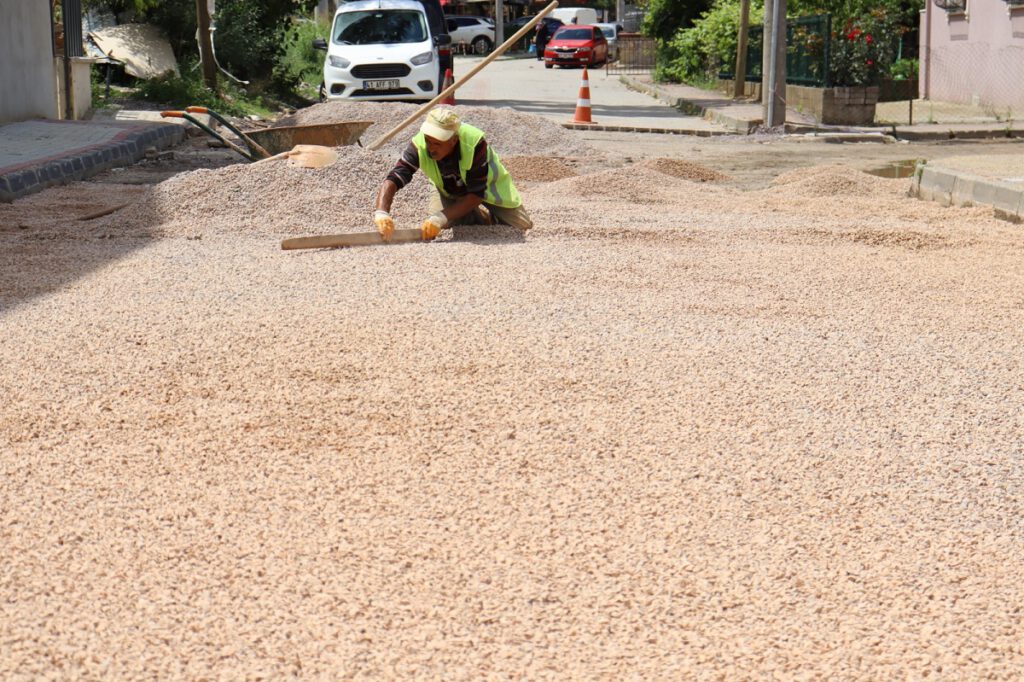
point(476, 34)
point(611, 33)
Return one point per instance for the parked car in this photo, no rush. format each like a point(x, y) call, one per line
point(476, 32)
point(383, 49)
point(574, 45)
point(611, 34)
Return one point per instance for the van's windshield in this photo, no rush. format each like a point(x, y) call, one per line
point(380, 26)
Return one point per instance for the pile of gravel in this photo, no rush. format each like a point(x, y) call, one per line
point(510, 132)
point(830, 181)
point(538, 168)
point(686, 170)
point(275, 198)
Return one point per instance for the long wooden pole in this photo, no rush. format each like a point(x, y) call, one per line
point(462, 81)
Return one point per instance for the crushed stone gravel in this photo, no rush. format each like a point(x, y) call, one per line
point(678, 430)
point(510, 132)
point(686, 170)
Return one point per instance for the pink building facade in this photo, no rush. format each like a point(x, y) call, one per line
point(972, 51)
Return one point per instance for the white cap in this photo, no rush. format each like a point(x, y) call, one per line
point(441, 124)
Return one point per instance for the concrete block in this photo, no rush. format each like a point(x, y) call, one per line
point(984, 193)
point(1006, 198)
point(963, 191)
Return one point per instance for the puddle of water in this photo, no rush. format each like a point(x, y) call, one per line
point(896, 169)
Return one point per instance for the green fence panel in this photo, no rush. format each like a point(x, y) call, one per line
point(807, 53)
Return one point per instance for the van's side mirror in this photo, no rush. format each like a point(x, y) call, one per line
point(442, 39)
point(320, 44)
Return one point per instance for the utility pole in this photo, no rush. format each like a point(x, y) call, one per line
point(206, 44)
point(773, 83)
point(740, 81)
point(499, 22)
point(620, 12)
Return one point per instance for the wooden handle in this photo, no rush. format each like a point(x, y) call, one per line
point(329, 241)
point(172, 114)
point(275, 157)
point(197, 110)
point(459, 83)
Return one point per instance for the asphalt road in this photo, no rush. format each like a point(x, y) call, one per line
point(525, 85)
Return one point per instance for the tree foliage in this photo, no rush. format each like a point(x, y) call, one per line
point(665, 18)
point(696, 54)
point(250, 35)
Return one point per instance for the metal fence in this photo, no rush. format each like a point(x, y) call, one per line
point(808, 41)
point(637, 55)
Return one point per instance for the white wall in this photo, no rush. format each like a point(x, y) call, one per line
point(976, 57)
point(28, 82)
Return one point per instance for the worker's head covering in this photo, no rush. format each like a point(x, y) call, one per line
point(441, 124)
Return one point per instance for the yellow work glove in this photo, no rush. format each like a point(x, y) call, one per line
point(385, 224)
point(433, 225)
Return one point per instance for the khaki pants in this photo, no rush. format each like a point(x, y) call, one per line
point(516, 217)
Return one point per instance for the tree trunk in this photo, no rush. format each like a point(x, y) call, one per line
point(206, 44)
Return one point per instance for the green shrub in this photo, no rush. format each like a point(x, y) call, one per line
point(696, 55)
point(864, 48)
point(904, 69)
point(188, 89)
point(300, 67)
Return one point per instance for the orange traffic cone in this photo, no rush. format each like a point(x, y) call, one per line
point(448, 82)
point(583, 103)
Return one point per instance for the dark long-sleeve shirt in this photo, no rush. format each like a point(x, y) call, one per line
point(476, 176)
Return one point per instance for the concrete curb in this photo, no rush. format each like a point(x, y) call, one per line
point(743, 126)
point(123, 149)
point(952, 187)
point(642, 129)
point(711, 114)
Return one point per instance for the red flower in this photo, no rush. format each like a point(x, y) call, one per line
point(852, 35)
point(868, 39)
point(870, 62)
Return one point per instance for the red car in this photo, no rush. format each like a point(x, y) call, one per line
point(574, 45)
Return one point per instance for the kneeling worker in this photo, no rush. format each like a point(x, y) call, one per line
point(473, 187)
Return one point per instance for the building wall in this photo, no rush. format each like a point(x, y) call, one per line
point(27, 77)
point(975, 57)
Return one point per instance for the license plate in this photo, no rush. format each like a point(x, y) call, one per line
point(390, 84)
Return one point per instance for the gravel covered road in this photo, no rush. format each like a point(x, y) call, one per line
point(681, 430)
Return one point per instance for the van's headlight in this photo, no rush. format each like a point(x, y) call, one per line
point(338, 62)
point(421, 59)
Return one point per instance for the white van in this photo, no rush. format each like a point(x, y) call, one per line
point(574, 15)
point(382, 49)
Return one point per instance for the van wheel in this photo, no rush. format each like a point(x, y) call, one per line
point(549, 66)
point(323, 92)
point(481, 45)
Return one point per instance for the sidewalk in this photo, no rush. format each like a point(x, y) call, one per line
point(39, 153)
point(931, 120)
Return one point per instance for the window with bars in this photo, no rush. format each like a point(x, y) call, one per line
point(952, 5)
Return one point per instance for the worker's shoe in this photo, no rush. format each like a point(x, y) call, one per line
point(483, 216)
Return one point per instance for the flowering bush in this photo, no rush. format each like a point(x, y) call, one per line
point(864, 49)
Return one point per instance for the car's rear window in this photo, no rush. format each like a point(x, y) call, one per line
point(575, 34)
point(380, 26)
point(608, 32)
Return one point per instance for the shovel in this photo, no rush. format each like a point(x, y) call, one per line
point(305, 156)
